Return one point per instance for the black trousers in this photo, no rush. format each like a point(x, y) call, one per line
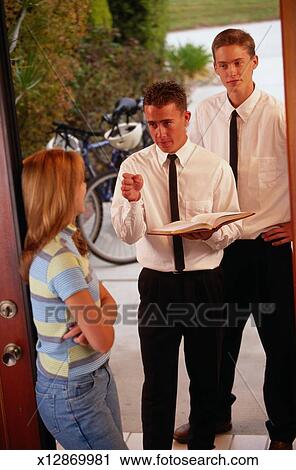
point(172, 306)
point(258, 280)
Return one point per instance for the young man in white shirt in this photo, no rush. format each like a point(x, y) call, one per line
point(258, 268)
point(179, 297)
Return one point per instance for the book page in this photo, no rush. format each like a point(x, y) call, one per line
point(204, 221)
point(212, 217)
point(178, 225)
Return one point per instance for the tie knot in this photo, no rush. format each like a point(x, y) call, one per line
point(172, 156)
point(234, 114)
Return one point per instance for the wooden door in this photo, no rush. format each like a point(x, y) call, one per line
point(19, 421)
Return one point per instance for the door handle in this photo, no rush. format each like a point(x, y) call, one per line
point(11, 354)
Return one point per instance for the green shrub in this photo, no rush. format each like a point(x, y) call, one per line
point(189, 58)
point(144, 20)
point(100, 14)
point(110, 69)
point(44, 63)
point(66, 69)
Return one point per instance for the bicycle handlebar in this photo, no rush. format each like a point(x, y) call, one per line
point(81, 133)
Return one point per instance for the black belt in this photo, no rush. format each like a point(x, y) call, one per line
point(185, 273)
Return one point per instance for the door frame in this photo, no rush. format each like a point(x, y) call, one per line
point(288, 15)
point(20, 426)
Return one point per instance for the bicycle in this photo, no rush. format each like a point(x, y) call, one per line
point(124, 136)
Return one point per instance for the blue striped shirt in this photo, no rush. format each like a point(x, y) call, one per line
point(57, 272)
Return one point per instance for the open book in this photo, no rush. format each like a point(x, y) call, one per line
point(207, 221)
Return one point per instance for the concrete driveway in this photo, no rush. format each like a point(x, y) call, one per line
point(249, 414)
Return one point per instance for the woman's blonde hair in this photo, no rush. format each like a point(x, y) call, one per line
point(50, 180)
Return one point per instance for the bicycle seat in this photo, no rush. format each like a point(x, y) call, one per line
point(125, 105)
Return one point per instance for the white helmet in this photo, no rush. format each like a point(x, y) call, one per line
point(60, 141)
point(125, 136)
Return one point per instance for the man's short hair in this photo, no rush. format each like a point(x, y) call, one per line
point(231, 37)
point(165, 92)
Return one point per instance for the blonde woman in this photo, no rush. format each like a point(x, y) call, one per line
point(73, 313)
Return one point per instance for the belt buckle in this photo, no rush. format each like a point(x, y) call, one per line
point(177, 272)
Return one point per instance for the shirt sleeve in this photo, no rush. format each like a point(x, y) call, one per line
point(65, 276)
point(225, 200)
point(128, 218)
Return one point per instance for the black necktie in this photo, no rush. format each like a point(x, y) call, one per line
point(173, 187)
point(233, 143)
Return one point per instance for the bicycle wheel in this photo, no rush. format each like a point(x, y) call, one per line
point(90, 221)
point(107, 245)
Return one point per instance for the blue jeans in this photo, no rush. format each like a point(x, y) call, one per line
point(81, 413)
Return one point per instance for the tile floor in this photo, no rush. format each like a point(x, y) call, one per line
point(222, 442)
point(249, 412)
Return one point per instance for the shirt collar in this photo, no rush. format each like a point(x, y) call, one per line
point(183, 153)
point(246, 108)
point(68, 231)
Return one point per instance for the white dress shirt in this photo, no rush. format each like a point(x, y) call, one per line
point(262, 157)
point(205, 184)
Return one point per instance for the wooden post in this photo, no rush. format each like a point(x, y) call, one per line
point(288, 16)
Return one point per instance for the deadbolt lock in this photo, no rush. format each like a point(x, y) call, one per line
point(8, 309)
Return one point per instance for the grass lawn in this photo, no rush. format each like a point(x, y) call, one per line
point(186, 14)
